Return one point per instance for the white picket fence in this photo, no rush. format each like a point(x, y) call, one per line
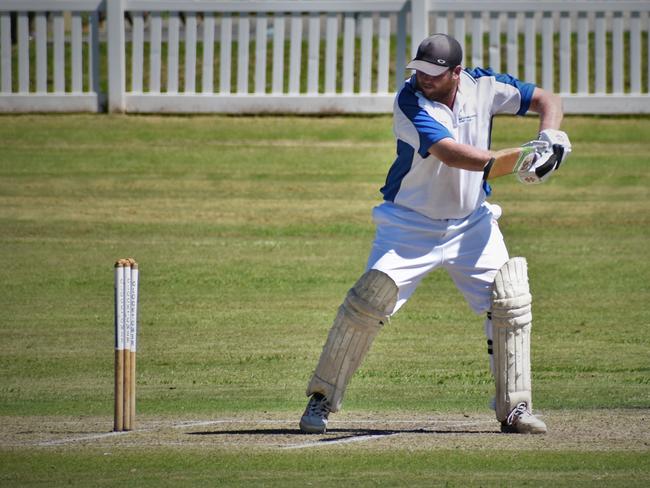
point(287, 56)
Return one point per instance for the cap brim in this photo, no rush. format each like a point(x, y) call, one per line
point(428, 68)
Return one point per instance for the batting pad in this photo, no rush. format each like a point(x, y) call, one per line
point(366, 307)
point(511, 321)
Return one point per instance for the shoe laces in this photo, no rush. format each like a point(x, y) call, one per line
point(318, 406)
point(521, 410)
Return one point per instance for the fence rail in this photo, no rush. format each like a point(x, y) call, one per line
point(307, 56)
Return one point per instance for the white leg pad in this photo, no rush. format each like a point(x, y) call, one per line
point(367, 306)
point(511, 321)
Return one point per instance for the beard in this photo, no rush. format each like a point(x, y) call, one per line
point(439, 90)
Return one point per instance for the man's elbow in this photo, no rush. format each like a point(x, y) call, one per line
point(545, 101)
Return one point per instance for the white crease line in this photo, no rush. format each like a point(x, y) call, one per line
point(81, 438)
point(347, 440)
point(453, 423)
point(198, 423)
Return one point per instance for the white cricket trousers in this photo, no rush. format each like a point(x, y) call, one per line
point(408, 246)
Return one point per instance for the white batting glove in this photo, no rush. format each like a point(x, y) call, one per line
point(539, 145)
point(552, 137)
point(542, 166)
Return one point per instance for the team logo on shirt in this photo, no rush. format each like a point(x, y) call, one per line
point(466, 119)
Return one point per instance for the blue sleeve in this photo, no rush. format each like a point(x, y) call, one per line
point(525, 89)
point(429, 129)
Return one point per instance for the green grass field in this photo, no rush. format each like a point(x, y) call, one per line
point(249, 231)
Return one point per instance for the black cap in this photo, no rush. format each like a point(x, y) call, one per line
point(436, 54)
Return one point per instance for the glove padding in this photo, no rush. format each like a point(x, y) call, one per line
point(543, 164)
point(552, 137)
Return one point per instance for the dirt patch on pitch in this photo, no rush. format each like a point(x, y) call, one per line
point(595, 430)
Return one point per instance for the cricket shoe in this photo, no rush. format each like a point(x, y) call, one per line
point(522, 421)
point(314, 420)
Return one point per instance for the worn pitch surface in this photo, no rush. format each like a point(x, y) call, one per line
point(593, 430)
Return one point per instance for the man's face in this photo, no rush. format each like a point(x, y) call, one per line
point(437, 88)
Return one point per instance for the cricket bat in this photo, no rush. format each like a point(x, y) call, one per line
point(508, 161)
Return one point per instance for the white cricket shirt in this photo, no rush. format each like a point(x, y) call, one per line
point(419, 181)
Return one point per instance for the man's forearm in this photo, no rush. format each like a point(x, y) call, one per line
point(460, 156)
point(549, 107)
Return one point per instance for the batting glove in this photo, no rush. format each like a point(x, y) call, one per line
point(542, 166)
point(553, 137)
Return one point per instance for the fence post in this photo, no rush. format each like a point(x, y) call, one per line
point(419, 23)
point(116, 56)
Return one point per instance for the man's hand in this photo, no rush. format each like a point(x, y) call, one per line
point(553, 137)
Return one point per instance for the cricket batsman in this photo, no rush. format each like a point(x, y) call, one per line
point(435, 214)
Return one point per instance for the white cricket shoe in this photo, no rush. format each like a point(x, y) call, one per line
point(314, 420)
point(522, 421)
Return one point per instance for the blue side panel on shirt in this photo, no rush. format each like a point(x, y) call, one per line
point(398, 170)
point(487, 188)
point(526, 89)
point(429, 130)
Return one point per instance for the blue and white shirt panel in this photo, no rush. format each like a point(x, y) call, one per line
point(419, 181)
